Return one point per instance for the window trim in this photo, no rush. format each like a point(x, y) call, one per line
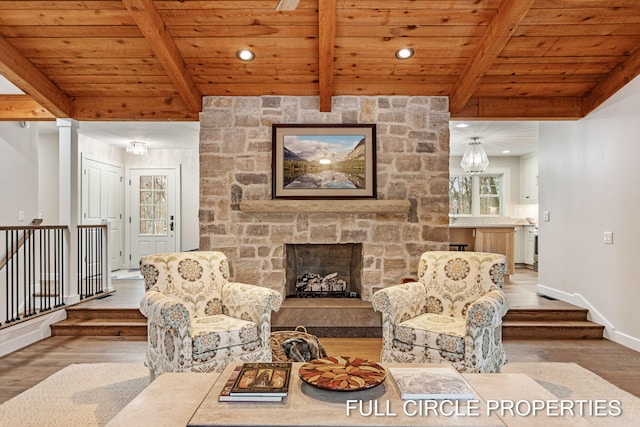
point(506, 192)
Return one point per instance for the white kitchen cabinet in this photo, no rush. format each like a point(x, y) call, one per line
point(529, 244)
point(529, 178)
point(519, 244)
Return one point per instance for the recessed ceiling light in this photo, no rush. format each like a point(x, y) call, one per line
point(287, 4)
point(245, 55)
point(506, 151)
point(404, 53)
point(462, 125)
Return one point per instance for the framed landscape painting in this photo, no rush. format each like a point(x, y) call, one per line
point(324, 161)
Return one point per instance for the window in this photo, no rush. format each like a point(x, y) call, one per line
point(476, 194)
point(153, 205)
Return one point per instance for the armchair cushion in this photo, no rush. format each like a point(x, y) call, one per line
point(432, 331)
point(212, 333)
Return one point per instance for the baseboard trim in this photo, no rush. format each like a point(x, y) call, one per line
point(610, 331)
point(626, 340)
point(22, 334)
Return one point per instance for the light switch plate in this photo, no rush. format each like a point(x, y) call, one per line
point(608, 238)
point(546, 216)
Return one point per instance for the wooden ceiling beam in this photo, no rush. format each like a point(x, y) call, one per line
point(521, 108)
point(138, 108)
point(155, 31)
point(22, 108)
point(326, 39)
point(22, 73)
point(622, 74)
point(498, 32)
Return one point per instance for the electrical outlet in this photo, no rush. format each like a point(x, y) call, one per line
point(20, 215)
point(608, 238)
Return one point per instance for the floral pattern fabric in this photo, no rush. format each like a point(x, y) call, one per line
point(197, 319)
point(452, 314)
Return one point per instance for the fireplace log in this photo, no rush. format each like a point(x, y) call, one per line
point(331, 284)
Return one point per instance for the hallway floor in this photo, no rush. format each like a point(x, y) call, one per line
point(520, 289)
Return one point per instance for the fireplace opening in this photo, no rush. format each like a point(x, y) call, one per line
point(323, 270)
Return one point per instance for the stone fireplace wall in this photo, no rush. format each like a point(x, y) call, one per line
point(235, 172)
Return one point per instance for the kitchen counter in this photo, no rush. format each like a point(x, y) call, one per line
point(455, 225)
point(491, 222)
point(495, 238)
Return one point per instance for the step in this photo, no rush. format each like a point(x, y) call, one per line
point(76, 312)
point(325, 318)
point(551, 330)
point(100, 327)
point(546, 314)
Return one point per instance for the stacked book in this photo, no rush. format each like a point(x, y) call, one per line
point(257, 382)
point(433, 383)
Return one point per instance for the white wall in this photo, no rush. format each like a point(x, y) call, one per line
point(18, 173)
point(101, 150)
point(48, 178)
point(589, 184)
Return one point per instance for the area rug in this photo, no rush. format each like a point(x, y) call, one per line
point(126, 275)
point(91, 395)
point(86, 395)
point(570, 381)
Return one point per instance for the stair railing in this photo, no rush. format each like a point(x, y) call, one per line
point(33, 271)
point(35, 275)
point(92, 261)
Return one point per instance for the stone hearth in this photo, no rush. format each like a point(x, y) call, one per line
point(329, 317)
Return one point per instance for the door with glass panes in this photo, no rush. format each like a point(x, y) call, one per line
point(154, 212)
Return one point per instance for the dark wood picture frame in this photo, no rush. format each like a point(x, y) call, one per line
point(324, 161)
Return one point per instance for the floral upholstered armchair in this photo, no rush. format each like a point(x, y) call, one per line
point(451, 314)
point(197, 319)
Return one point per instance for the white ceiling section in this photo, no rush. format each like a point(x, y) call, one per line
point(157, 135)
point(8, 88)
point(496, 137)
point(164, 135)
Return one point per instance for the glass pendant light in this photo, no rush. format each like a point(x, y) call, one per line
point(137, 147)
point(475, 160)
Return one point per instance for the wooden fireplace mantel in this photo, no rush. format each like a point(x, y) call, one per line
point(325, 206)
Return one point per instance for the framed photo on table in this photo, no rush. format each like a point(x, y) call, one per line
point(320, 161)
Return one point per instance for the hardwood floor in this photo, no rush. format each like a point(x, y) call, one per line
point(26, 367)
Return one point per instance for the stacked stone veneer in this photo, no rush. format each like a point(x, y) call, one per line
point(412, 164)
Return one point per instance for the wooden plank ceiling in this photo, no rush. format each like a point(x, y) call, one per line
point(154, 60)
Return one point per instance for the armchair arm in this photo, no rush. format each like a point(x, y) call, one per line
point(398, 303)
point(169, 346)
point(401, 302)
point(239, 298)
point(251, 302)
point(164, 311)
point(488, 310)
point(483, 332)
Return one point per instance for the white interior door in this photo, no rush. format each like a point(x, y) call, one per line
point(154, 212)
point(102, 202)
